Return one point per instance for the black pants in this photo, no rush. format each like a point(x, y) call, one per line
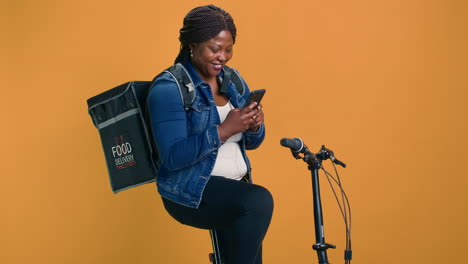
point(240, 212)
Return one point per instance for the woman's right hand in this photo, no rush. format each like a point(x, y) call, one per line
point(237, 120)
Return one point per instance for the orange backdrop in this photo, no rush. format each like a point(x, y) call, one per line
point(382, 83)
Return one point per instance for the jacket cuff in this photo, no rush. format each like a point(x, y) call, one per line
point(213, 137)
point(260, 130)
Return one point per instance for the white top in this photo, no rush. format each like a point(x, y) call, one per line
point(229, 163)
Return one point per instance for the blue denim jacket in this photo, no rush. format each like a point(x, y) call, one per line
point(188, 141)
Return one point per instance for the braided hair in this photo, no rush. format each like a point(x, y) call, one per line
point(201, 24)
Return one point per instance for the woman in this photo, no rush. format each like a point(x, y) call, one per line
point(204, 171)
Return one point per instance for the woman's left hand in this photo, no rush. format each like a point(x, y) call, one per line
point(258, 119)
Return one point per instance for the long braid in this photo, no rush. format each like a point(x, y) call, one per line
point(201, 24)
point(184, 54)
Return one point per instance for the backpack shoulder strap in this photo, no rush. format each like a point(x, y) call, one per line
point(187, 93)
point(184, 83)
point(232, 75)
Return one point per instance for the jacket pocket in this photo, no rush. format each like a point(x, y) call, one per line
point(198, 117)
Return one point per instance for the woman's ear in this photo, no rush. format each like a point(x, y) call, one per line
point(192, 46)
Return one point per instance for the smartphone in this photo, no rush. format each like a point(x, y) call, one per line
point(255, 96)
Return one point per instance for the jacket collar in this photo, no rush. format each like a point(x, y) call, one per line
point(196, 79)
point(229, 89)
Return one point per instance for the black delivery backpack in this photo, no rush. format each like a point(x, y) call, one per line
point(120, 115)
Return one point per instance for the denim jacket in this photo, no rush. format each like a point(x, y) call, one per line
point(188, 141)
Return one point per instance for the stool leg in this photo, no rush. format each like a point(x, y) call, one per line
point(215, 257)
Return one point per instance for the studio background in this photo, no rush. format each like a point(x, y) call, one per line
point(382, 83)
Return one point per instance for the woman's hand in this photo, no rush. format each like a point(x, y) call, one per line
point(239, 120)
point(258, 119)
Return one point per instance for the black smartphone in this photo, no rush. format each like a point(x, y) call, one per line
point(255, 96)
